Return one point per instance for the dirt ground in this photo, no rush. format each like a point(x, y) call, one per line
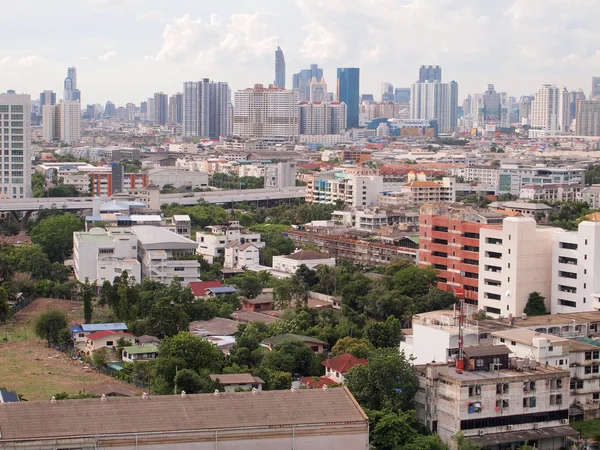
point(37, 372)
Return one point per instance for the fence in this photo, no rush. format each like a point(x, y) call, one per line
point(21, 303)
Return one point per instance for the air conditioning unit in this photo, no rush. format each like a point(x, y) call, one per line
point(509, 427)
point(536, 426)
point(481, 432)
point(565, 421)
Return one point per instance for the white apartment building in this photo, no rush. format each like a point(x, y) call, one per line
point(513, 177)
point(280, 175)
point(483, 174)
point(266, 112)
point(289, 264)
point(575, 265)
point(322, 118)
point(552, 192)
point(515, 259)
point(498, 403)
point(70, 121)
point(165, 255)
point(321, 140)
point(15, 138)
point(352, 189)
point(101, 255)
point(211, 244)
point(588, 118)
point(581, 359)
point(178, 178)
point(420, 192)
point(545, 109)
point(51, 123)
point(435, 101)
point(591, 195)
point(238, 256)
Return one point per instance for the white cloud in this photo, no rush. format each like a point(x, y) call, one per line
point(5, 60)
point(30, 61)
point(109, 56)
point(152, 16)
point(241, 39)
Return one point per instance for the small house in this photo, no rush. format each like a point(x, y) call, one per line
point(218, 291)
point(147, 340)
point(200, 288)
point(231, 382)
point(79, 333)
point(337, 367)
point(139, 353)
point(105, 339)
point(262, 302)
point(315, 344)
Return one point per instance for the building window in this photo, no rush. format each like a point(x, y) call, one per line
point(502, 388)
point(502, 340)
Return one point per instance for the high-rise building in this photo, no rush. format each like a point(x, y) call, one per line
point(435, 101)
point(71, 92)
point(279, 68)
point(348, 87)
point(144, 108)
point(467, 106)
point(387, 92)
point(402, 95)
point(47, 98)
point(205, 108)
point(588, 118)
point(161, 108)
point(130, 112)
point(321, 118)
point(266, 113)
point(51, 123)
point(150, 113)
point(176, 109)
point(90, 112)
point(574, 96)
point(110, 110)
point(565, 119)
point(301, 81)
point(16, 143)
point(525, 109)
point(545, 109)
point(70, 121)
point(318, 90)
point(490, 108)
point(430, 74)
point(595, 94)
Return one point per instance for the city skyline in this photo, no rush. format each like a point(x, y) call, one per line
point(152, 49)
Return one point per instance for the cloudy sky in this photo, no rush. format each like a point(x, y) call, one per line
point(125, 50)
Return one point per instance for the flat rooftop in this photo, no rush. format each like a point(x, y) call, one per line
point(540, 371)
point(558, 319)
point(525, 336)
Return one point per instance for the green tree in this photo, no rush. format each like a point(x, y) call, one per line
point(391, 430)
point(49, 324)
point(4, 306)
point(421, 442)
point(384, 334)
point(277, 380)
point(86, 290)
point(361, 348)
point(293, 357)
point(248, 284)
point(55, 235)
point(167, 319)
point(388, 382)
point(464, 443)
point(535, 305)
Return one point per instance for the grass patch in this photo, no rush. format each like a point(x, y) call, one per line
point(587, 428)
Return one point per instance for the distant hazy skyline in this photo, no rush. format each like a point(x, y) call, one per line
point(125, 50)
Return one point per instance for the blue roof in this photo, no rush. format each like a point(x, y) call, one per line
point(223, 290)
point(103, 326)
point(93, 219)
point(8, 396)
point(76, 329)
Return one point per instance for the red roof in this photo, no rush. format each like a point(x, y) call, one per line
point(105, 333)
point(199, 287)
point(343, 363)
point(314, 383)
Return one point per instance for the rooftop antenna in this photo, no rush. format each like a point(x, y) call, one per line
point(459, 293)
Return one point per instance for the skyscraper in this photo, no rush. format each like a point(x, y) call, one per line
point(51, 123)
point(322, 118)
point(266, 113)
point(402, 95)
point(110, 110)
point(70, 121)
point(205, 105)
point(348, 86)
point(545, 108)
point(387, 92)
point(301, 81)
point(161, 108)
point(176, 109)
point(435, 101)
point(318, 90)
point(47, 98)
point(70, 86)
point(16, 142)
point(595, 88)
point(430, 73)
point(279, 68)
point(588, 118)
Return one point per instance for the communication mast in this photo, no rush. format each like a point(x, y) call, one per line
point(459, 293)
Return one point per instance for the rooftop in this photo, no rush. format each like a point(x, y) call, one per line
point(214, 327)
point(106, 333)
point(150, 236)
point(292, 337)
point(251, 316)
point(343, 363)
point(558, 319)
point(236, 378)
point(305, 255)
point(525, 336)
point(170, 414)
point(486, 350)
point(199, 287)
point(140, 349)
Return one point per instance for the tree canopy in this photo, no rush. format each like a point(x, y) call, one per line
point(55, 235)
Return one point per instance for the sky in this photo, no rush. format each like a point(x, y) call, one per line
point(125, 50)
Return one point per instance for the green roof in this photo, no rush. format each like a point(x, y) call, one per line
point(293, 338)
point(415, 239)
point(137, 349)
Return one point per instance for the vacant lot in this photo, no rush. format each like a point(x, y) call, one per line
point(37, 372)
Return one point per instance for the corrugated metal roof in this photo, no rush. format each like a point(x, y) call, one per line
point(103, 326)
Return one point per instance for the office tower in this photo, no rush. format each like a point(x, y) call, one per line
point(545, 109)
point(588, 118)
point(71, 92)
point(387, 92)
point(367, 98)
point(430, 73)
point(348, 86)
point(121, 113)
point(205, 108)
point(47, 98)
point(110, 110)
point(435, 101)
point(574, 96)
point(176, 109)
point(117, 177)
point(318, 90)
point(525, 109)
point(90, 112)
point(161, 108)
point(564, 115)
point(51, 123)
point(322, 118)
point(490, 108)
point(279, 68)
point(144, 108)
point(15, 109)
point(467, 105)
point(130, 112)
point(301, 81)
point(150, 113)
point(595, 94)
point(70, 121)
point(266, 113)
point(402, 95)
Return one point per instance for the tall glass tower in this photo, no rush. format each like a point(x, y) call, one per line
point(348, 84)
point(279, 68)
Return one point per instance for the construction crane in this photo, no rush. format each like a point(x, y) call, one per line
point(459, 293)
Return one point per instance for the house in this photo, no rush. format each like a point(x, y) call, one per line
point(311, 259)
point(147, 340)
point(139, 353)
point(315, 345)
point(218, 331)
point(238, 255)
point(251, 316)
point(218, 291)
point(110, 390)
point(262, 302)
point(200, 288)
point(8, 396)
point(212, 243)
point(268, 420)
point(316, 382)
point(338, 366)
point(80, 332)
point(105, 339)
point(233, 381)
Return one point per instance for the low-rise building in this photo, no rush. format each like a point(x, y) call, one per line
point(238, 256)
point(262, 302)
point(316, 345)
point(105, 340)
point(421, 192)
point(135, 353)
point(591, 195)
point(289, 264)
point(212, 243)
point(79, 333)
point(495, 401)
point(337, 367)
point(233, 382)
point(521, 208)
point(552, 192)
point(179, 179)
point(351, 189)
